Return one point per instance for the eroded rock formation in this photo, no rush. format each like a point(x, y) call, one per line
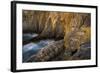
point(49, 52)
point(72, 28)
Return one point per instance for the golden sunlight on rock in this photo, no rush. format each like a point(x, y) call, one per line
point(73, 29)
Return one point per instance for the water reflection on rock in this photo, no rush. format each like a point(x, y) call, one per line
point(33, 47)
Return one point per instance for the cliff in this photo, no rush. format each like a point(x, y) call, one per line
point(73, 28)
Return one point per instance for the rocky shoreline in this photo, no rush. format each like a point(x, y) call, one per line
point(69, 30)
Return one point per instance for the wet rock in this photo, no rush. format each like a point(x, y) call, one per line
point(49, 52)
point(74, 28)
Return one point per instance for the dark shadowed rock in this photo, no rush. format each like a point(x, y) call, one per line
point(47, 31)
point(83, 53)
point(59, 30)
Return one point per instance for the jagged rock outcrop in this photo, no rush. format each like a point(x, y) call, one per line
point(77, 33)
point(53, 24)
point(72, 29)
point(56, 52)
point(83, 53)
point(49, 52)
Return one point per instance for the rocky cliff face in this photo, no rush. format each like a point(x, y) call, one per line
point(73, 28)
point(56, 24)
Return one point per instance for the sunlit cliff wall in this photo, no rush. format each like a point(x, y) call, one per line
point(74, 28)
